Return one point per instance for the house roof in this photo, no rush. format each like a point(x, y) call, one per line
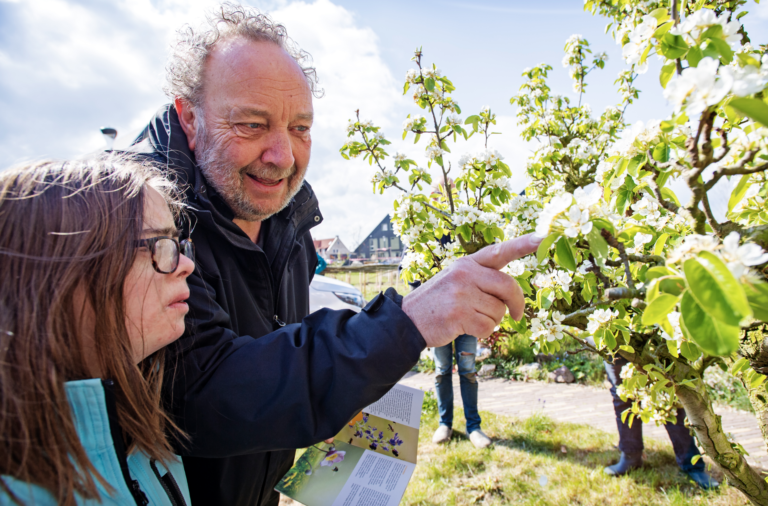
point(323, 243)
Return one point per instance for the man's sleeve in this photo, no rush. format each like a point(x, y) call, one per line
point(288, 389)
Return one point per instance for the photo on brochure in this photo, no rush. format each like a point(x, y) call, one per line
point(383, 436)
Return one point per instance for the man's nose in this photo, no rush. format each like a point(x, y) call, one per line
point(278, 151)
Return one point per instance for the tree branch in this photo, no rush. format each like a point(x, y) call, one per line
point(736, 170)
point(622, 254)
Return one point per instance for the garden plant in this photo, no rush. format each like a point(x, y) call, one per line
point(625, 267)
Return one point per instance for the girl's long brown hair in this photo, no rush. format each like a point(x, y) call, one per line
point(69, 229)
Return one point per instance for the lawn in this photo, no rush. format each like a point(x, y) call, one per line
point(537, 461)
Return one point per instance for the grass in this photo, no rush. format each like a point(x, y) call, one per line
point(371, 288)
point(537, 461)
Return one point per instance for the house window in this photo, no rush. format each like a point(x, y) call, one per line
point(384, 227)
point(394, 243)
point(383, 242)
point(373, 244)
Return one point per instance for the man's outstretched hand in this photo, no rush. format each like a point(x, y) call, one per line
point(471, 296)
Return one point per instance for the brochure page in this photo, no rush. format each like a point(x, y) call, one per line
point(370, 461)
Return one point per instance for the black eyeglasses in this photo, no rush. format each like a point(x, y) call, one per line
point(165, 252)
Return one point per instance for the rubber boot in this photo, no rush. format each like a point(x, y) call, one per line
point(628, 462)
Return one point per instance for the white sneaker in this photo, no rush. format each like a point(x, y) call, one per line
point(442, 435)
point(479, 439)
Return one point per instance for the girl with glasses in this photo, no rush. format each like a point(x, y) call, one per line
point(93, 286)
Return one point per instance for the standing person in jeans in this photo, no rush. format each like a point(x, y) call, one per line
point(465, 352)
point(631, 438)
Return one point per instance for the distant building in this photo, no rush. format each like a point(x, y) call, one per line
point(381, 242)
point(332, 249)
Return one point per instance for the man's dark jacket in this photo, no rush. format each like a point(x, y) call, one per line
point(254, 376)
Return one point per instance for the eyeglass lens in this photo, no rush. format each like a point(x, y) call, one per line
point(166, 255)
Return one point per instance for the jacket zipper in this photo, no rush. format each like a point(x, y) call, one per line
point(117, 438)
point(169, 485)
point(276, 318)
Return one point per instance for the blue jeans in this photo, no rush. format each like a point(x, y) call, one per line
point(631, 438)
point(466, 349)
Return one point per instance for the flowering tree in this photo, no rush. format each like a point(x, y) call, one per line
point(625, 268)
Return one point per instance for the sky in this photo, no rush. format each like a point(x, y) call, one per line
point(70, 67)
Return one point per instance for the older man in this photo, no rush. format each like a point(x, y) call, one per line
point(253, 380)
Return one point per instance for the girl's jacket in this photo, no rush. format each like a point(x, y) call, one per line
point(136, 479)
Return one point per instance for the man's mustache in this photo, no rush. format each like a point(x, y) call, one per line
point(270, 173)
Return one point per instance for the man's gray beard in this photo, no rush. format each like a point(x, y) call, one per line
point(229, 180)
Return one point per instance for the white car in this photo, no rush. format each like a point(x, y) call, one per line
point(334, 294)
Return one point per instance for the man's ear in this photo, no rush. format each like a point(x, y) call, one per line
point(188, 120)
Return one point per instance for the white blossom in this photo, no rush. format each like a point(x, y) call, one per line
point(691, 245)
point(551, 210)
point(739, 258)
point(699, 87)
point(576, 222)
point(598, 318)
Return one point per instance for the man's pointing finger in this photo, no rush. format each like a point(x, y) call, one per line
point(497, 256)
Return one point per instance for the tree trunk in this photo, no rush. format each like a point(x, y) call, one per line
point(709, 432)
point(755, 348)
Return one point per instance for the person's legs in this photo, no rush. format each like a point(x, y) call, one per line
point(466, 349)
point(630, 438)
point(443, 383)
point(684, 444)
point(685, 450)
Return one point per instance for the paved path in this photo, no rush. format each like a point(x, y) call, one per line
point(587, 405)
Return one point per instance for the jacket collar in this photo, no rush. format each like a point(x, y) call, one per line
point(166, 141)
point(88, 405)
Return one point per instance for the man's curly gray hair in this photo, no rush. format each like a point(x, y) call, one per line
point(184, 73)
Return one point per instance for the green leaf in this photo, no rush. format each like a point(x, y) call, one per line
point(429, 84)
point(673, 46)
point(694, 56)
point(597, 244)
point(713, 32)
point(609, 339)
point(661, 14)
point(564, 255)
point(667, 71)
point(658, 248)
point(747, 59)
point(545, 297)
point(723, 48)
point(715, 289)
point(711, 335)
point(695, 459)
point(740, 365)
point(634, 164)
point(690, 351)
point(673, 285)
point(661, 152)
point(669, 195)
point(751, 107)
point(543, 250)
point(739, 191)
point(659, 308)
point(657, 272)
point(757, 294)
point(672, 348)
point(627, 348)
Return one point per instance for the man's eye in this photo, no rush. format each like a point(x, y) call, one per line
point(302, 128)
point(254, 125)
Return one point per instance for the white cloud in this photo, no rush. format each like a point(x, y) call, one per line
point(73, 69)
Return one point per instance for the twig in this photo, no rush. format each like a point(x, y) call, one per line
point(646, 259)
point(622, 254)
point(599, 273)
point(675, 21)
point(736, 170)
